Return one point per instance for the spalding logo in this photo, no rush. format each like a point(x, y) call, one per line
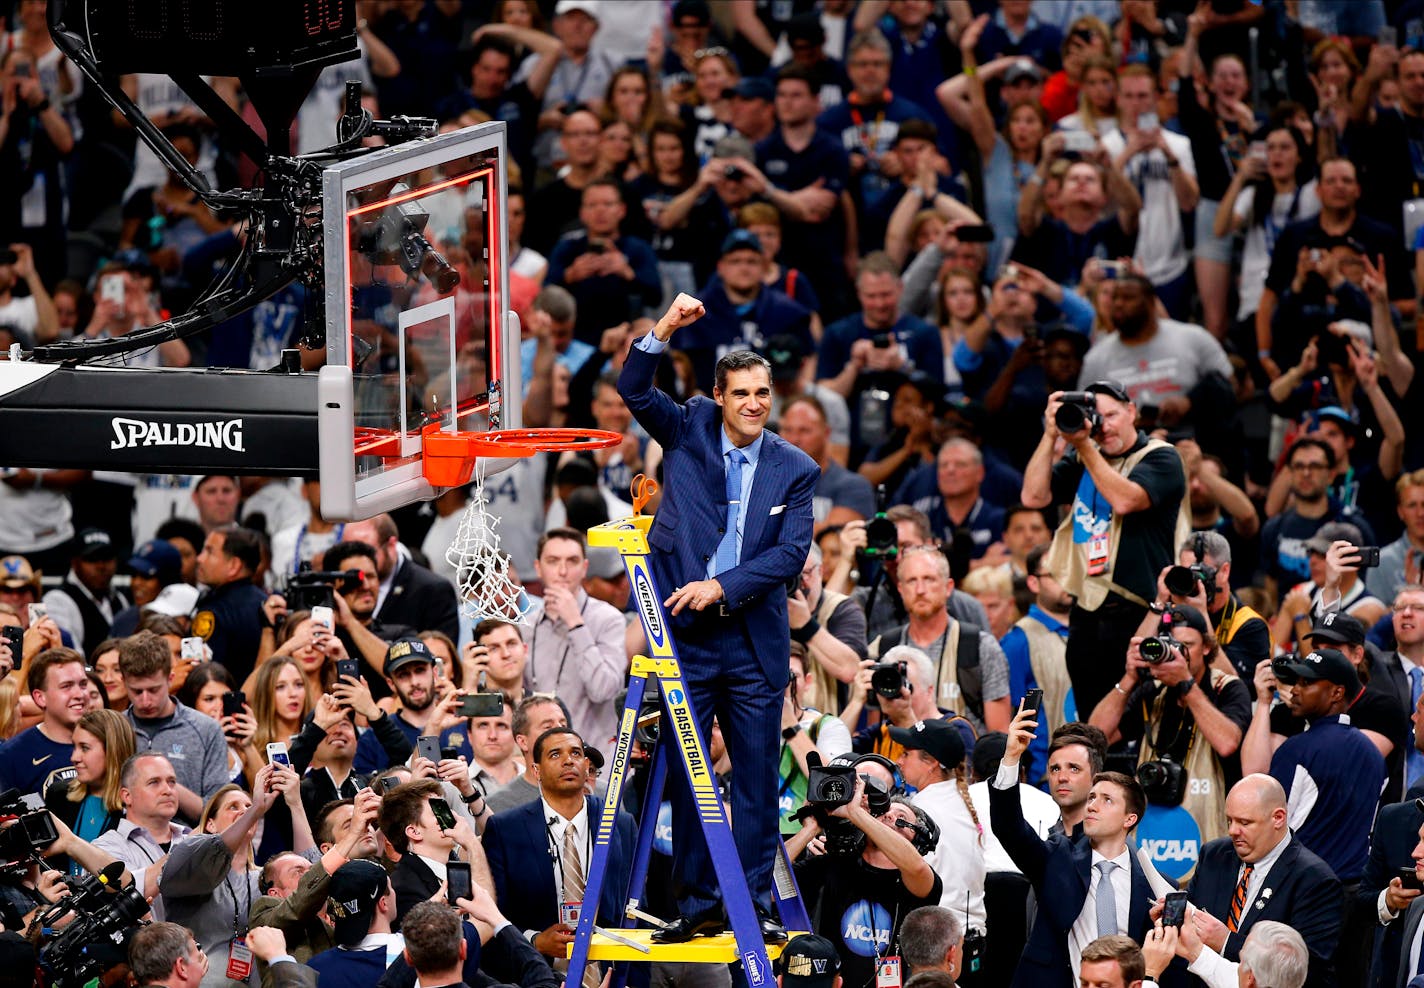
point(129, 433)
point(865, 928)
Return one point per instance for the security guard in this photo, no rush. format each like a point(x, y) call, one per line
point(229, 616)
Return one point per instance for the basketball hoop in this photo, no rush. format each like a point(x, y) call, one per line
point(452, 459)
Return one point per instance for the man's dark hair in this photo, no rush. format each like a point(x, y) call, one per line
point(336, 557)
point(572, 534)
point(1310, 442)
point(181, 528)
point(323, 828)
point(1034, 559)
point(432, 937)
point(604, 182)
point(267, 879)
point(1122, 949)
point(47, 660)
point(244, 545)
point(144, 654)
point(491, 624)
point(402, 806)
point(551, 733)
point(740, 360)
point(154, 950)
point(491, 42)
point(1090, 737)
point(800, 74)
point(927, 935)
point(1132, 793)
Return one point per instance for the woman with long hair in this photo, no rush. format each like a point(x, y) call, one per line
point(105, 663)
point(89, 804)
point(962, 311)
point(1097, 99)
point(279, 704)
point(1270, 191)
point(672, 168)
point(632, 99)
point(618, 152)
point(314, 649)
point(204, 693)
point(1086, 37)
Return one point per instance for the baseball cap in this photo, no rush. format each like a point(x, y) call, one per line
point(404, 652)
point(1333, 413)
point(785, 353)
point(174, 600)
point(937, 737)
point(1325, 663)
point(351, 899)
point(1189, 617)
point(740, 240)
point(806, 27)
point(1113, 389)
point(1333, 531)
point(754, 87)
point(1020, 70)
point(809, 961)
point(595, 756)
point(16, 572)
point(733, 146)
point(589, 7)
point(156, 557)
point(1338, 629)
point(94, 544)
point(696, 10)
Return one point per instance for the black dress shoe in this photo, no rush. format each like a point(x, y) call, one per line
point(684, 928)
point(771, 930)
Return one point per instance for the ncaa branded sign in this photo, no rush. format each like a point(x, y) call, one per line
point(648, 603)
point(1171, 838)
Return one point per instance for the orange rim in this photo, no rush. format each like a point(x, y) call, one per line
point(448, 458)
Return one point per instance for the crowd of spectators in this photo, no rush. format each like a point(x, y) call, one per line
point(1099, 319)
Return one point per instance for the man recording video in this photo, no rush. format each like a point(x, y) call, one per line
point(1127, 495)
point(1187, 718)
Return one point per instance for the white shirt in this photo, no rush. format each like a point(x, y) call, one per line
point(1039, 811)
point(1085, 927)
point(392, 943)
point(1159, 248)
point(958, 858)
point(437, 866)
point(1262, 870)
point(1215, 970)
point(583, 840)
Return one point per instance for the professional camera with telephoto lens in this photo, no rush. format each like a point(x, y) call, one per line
point(1077, 410)
point(1159, 649)
point(318, 588)
point(1183, 580)
point(1163, 781)
point(829, 786)
point(96, 938)
point(882, 539)
point(888, 678)
point(32, 831)
point(733, 174)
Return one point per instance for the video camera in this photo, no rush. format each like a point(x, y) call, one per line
point(310, 588)
point(104, 917)
point(1182, 580)
point(831, 786)
point(33, 830)
point(1077, 410)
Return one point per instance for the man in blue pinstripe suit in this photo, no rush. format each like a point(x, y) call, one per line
point(731, 534)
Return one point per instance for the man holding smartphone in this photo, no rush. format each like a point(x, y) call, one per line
point(423, 829)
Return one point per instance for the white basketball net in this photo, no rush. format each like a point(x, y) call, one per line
point(485, 587)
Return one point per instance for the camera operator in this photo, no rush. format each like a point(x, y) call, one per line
point(832, 629)
point(933, 762)
point(1204, 564)
point(901, 686)
point(34, 886)
point(860, 905)
point(366, 638)
point(1128, 513)
point(971, 675)
point(1188, 717)
point(804, 729)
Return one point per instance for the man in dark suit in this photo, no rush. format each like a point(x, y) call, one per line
point(1410, 960)
point(424, 846)
point(410, 594)
point(1381, 891)
point(1261, 871)
point(731, 535)
point(1089, 885)
point(539, 853)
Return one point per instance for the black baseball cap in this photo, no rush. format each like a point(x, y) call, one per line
point(937, 737)
point(1323, 663)
point(739, 240)
point(809, 961)
point(785, 353)
point(351, 899)
point(1338, 629)
point(95, 544)
point(754, 87)
point(1113, 389)
point(1174, 617)
point(406, 651)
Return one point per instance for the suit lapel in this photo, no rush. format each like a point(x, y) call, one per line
point(758, 506)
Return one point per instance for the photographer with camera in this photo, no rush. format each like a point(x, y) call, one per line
point(1090, 884)
point(1128, 513)
point(895, 684)
point(1203, 575)
point(804, 731)
point(832, 628)
point(971, 675)
point(1188, 717)
point(859, 905)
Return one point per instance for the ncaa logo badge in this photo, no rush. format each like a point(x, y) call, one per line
point(675, 697)
point(865, 928)
point(1171, 838)
point(662, 833)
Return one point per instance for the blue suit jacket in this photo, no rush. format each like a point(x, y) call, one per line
point(776, 533)
point(1300, 891)
point(1395, 834)
point(516, 844)
point(1060, 870)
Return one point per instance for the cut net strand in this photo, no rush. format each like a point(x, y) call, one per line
point(486, 589)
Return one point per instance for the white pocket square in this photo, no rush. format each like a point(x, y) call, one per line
point(778, 509)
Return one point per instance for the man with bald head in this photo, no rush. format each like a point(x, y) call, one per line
point(410, 594)
point(1260, 871)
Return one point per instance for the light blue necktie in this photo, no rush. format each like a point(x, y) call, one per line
point(727, 548)
point(1107, 899)
point(1415, 762)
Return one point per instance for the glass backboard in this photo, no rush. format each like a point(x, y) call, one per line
point(418, 335)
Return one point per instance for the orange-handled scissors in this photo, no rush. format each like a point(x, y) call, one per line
point(644, 488)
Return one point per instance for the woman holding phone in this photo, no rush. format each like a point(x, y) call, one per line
point(210, 691)
point(307, 638)
point(279, 706)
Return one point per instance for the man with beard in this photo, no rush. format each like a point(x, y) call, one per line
point(294, 890)
point(1035, 648)
point(1173, 365)
point(410, 673)
point(364, 636)
point(1127, 497)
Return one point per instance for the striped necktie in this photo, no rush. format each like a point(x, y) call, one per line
point(1238, 901)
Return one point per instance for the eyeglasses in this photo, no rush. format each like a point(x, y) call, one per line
point(869, 63)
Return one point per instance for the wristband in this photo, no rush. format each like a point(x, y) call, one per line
point(1118, 687)
point(42, 106)
point(1263, 354)
point(477, 794)
point(806, 632)
point(970, 71)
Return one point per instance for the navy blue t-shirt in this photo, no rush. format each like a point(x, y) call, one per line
point(1060, 253)
point(29, 759)
point(920, 340)
point(371, 756)
point(814, 248)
